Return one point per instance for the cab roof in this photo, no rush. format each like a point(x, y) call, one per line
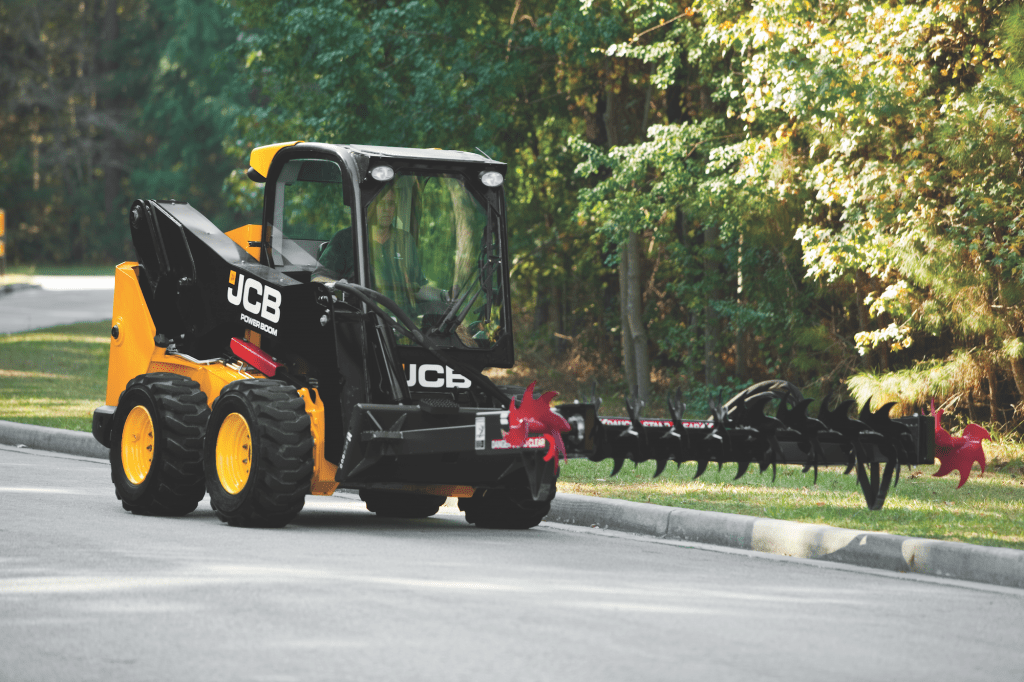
point(261, 157)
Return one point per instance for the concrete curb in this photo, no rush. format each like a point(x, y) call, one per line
point(960, 561)
point(47, 438)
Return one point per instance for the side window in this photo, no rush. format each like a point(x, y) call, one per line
point(312, 217)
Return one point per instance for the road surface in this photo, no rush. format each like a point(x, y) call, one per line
point(57, 300)
point(90, 592)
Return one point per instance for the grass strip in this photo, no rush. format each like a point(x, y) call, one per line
point(60, 270)
point(56, 376)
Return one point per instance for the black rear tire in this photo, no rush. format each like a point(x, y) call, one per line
point(510, 508)
point(258, 454)
point(401, 505)
point(166, 416)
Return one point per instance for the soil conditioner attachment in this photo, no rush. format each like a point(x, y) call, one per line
point(340, 343)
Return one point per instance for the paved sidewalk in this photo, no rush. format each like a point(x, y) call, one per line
point(960, 561)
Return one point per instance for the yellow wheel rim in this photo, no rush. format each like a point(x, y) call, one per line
point(234, 453)
point(137, 443)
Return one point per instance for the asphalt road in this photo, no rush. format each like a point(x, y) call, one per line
point(90, 592)
point(57, 300)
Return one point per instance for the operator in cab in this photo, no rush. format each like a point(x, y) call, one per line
point(395, 269)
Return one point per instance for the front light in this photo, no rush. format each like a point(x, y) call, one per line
point(491, 178)
point(382, 173)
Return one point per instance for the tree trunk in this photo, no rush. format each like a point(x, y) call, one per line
point(712, 322)
point(1017, 367)
point(993, 383)
point(558, 306)
point(1016, 363)
point(112, 173)
point(993, 393)
point(634, 314)
point(628, 357)
point(741, 330)
point(741, 355)
point(634, 334)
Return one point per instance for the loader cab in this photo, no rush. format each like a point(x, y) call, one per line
point(426, 228)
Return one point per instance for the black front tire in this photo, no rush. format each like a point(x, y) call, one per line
point(167, 414)
point(258, 454)
point(401, 505)
point(510, 508)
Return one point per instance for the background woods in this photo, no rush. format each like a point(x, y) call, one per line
point(100, 102)
point(700, 194)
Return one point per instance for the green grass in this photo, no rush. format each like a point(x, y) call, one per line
point(988, 510)
point(66, 270)
point(56, 376)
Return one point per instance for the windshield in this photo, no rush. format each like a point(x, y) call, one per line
point(430, 251)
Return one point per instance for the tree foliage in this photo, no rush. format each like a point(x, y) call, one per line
point(885, 138)
point(702, 192)
point(102, 101)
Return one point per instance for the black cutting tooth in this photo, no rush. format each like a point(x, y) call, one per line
point(702, 466)
point(634, 406)
point(812, 462)
point(617, 468)
point(594, 398)
point(839, 419)
point(897, 434)
point(798, 419)
point(879, 420)
point(676, 406)
point(662, 463)
point(753, 415)
point(714, 437)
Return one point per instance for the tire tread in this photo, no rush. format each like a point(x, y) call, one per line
point(178, 481)
point(283, 428)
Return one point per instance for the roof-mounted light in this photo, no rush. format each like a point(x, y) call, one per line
point(491, 178)
point(382, 173)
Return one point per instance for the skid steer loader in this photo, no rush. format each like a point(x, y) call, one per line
point(341, 343)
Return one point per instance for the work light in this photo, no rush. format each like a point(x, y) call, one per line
point(382, 173)
point(491, 178)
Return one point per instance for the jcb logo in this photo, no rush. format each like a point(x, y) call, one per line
point(256, 297)
point(434, 376)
